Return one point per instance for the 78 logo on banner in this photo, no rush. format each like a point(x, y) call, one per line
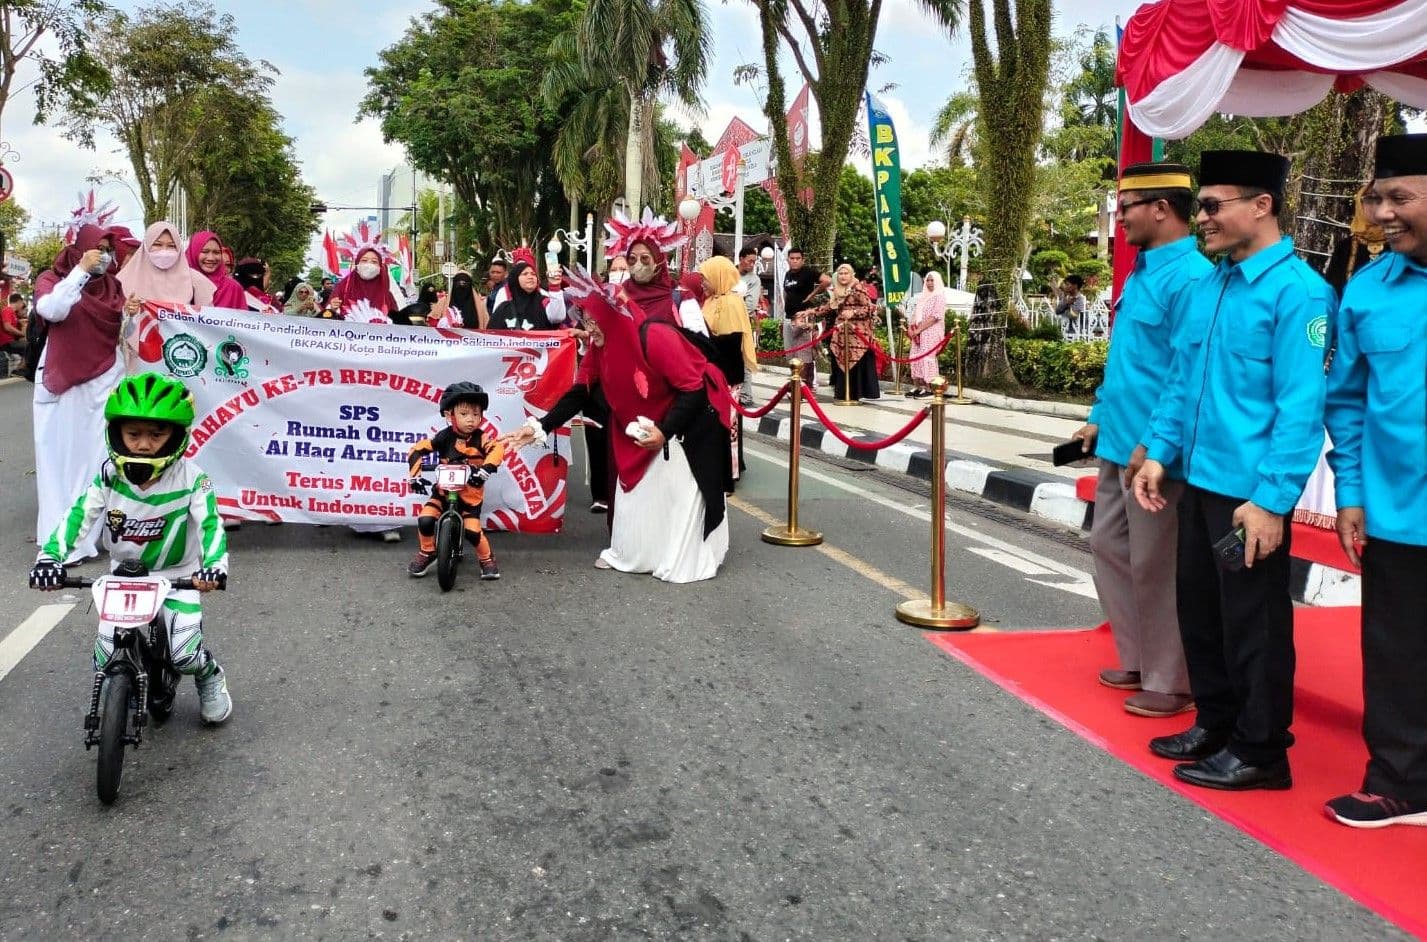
point(521, 372)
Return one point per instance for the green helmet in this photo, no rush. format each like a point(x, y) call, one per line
point(151, 398)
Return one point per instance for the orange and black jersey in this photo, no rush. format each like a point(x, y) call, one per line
point(450, 448)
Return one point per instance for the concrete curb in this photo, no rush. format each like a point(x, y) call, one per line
point(1037, 493)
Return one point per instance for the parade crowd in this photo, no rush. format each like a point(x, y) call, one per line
point(1222, 378)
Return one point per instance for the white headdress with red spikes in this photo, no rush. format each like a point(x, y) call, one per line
point(352, 244)
point(89, 212)
point(655, 230)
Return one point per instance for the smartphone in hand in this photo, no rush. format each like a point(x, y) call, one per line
point(1229, 551)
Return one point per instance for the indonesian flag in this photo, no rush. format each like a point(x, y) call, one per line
point(329, 252)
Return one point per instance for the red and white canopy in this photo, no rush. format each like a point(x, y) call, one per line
point(1183, 60)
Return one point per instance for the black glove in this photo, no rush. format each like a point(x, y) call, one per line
point(419, 486)
point(211, 574)
point(47, 575)
point(482, 474)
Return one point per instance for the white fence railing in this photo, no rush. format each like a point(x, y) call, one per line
point(1094, 324)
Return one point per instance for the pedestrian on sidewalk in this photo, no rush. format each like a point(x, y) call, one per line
point(1376, 400)
point(1244, 410)
point(1134, 549)
point(926, 329)
point(732, 335)
point(850, 313)
point(800, 286)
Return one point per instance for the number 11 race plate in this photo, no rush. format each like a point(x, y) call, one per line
point(130, 602)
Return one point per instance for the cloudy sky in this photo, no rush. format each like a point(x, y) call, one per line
point(321, 47)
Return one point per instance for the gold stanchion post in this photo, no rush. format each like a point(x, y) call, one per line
point(960, 398)
point(846, 400)
point(792, 534)
point(937, 612)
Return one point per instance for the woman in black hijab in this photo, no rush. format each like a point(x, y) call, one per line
point(416, 313)
point(463, 299)
point(529, 308)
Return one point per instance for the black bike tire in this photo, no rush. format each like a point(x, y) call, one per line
point(113, 724)
point(448, 550)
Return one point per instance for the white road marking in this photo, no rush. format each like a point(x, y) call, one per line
point(31, 632)
point(1012, 556)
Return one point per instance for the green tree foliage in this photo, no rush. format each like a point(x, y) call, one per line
point(428, 230)
point(954, 127)
point(56, 39)
point(644, 50)
point(460, 91)
point(759, 213)
point(166, 63)
point(831, 43)
point(245, 183)
point(1090, 97)
point(856, 240)
point(13, 218)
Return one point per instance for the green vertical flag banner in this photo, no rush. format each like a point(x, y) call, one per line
point(887, 194)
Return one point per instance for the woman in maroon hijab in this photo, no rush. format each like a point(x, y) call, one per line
point(205, 255)
point(668, 434)
point(83, 303)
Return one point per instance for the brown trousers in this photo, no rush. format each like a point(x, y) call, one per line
point(1135, 561)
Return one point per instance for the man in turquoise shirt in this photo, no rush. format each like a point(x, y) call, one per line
point(1244, 413)
point(1134, 549)
point(1377, 419)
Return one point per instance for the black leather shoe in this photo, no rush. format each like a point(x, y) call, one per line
point(1196, 742)
point(1227, 772)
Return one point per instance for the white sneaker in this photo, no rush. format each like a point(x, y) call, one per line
point(215, 705)
point(391, 536)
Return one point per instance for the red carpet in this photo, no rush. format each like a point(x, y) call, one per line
point(1385, 870)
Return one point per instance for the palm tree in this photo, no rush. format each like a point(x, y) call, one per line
point(589, 149)
point(428, 224)
point(645, 49)
point(1091, 96)
point(955, 126)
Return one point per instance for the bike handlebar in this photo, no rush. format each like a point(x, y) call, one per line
point(83, 582)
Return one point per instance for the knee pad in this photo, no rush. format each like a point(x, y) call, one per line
point(426, 526)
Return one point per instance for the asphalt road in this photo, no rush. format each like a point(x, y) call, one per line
point(575, 754)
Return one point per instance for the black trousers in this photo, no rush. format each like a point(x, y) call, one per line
point(1237, 629)
point(1394, 656)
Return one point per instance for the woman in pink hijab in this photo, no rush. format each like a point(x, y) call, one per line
point(158, 271)
point(205, 255)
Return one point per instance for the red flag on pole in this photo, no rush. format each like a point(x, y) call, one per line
point(329, 251)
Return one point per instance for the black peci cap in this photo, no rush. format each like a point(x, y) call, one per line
point(1401, 155)
point(1251, 168)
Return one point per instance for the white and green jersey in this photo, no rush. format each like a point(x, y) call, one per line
point(171, 527)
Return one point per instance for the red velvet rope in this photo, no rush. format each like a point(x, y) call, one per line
point(883, 356)
point(771, 354)
point(878, 445)
point(763, 410)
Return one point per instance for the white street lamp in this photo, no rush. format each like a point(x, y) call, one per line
point(689, 209)
point(936, 231)
point(966, 240)
point(578, 240)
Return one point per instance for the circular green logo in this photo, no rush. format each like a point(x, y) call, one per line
point(184, 355)
point(1318, 331)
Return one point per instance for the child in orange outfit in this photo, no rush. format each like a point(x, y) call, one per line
point(461, 442)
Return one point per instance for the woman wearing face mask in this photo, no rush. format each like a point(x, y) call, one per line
point(649, 285)
point(205, 255)
point(83, 303)
point(528, 307)
point(618, 270)
point(364, 293)
point(253, 275)
point(158, 272)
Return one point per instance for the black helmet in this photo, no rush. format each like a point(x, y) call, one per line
point(464, 392)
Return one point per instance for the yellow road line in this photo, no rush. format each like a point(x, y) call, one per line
point(841, 557)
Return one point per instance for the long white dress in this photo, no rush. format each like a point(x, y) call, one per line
point(659, 525)
point(69, 428)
